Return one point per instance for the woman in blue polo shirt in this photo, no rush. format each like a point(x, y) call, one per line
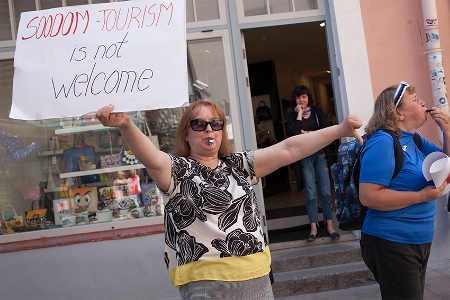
point(399, 225)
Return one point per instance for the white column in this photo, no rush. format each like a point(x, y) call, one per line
point(434, 53)
point(352, 61)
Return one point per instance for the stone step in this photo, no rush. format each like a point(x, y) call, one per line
point(318, 267)
point(346, 236)
point(321, 279)
point(314, 257)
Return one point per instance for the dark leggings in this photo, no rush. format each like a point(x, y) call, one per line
point(398, 268)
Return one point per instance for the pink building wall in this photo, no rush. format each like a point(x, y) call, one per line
point(395, 40)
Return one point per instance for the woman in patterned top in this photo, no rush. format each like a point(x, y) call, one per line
point(215, 245)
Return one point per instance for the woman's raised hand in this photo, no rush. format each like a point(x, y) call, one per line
point(108, 118)
point(442, 118)
point(348, 127)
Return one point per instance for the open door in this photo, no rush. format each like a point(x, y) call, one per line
point(278, 59)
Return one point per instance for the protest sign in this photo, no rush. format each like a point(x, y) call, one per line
point(73, 60)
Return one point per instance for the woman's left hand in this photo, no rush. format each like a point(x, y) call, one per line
point(348, 127)
point(442, 118)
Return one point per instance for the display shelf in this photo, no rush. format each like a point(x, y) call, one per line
point(100, 171)
point(108, 150)
point(59, 152)
point(83, 129)
point(55, 190)
point(100, 183)
point(50, 152)
point(58, 189)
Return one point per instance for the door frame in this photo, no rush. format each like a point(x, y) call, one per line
point(241, 76)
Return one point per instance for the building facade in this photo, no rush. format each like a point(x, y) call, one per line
point(241, 55)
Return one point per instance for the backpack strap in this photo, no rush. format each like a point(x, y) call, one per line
point(418, 141)
point(398, 152)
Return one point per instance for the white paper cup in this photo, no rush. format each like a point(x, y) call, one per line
point(440, 171)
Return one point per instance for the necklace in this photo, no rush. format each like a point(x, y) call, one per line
point(306, 111)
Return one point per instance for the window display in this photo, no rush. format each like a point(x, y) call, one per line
point(93, 178)
point(33, 155)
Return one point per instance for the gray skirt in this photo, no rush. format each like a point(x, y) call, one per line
point(254, 289)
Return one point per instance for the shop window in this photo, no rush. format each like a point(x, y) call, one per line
point(190, 11)
point(36, 174)
point(280, 6)
point(200, 13)
point(5, 24)
point(207, 73)
point(102, 183)
point(265, 10)
point(19, 7)
point(305, 5)
point(46, 4)
point(263, 7)
point(77, 2)
point(6, 82)
point(254, 7)
point(206, 10)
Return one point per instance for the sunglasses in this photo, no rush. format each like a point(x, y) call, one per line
point(399, 92)
point(200, 124)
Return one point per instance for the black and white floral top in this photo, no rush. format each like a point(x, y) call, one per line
point(212, 225)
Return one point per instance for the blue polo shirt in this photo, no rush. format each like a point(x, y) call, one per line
point(410, 225)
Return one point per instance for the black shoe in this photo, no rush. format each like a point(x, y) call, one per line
point(334, 236)
point(311, 237)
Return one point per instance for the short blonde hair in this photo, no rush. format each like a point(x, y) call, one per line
point(182, 147)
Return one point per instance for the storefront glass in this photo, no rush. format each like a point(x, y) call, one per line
point(46, 4)
point(76, 2)
point(5, 25)
point(70, 172)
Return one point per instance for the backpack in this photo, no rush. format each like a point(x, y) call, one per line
point(350, 213)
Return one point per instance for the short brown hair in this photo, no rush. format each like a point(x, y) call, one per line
point(182, 147)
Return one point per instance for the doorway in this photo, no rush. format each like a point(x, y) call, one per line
point(280, 58)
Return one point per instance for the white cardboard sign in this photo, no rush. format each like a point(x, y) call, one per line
point(73, 60)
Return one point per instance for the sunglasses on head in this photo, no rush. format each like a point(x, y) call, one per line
point(399, 92)
point(200, 124)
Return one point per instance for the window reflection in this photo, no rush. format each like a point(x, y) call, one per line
point(46, 4)
point(5, 25)
point(280, 6)
point(202, 10)
point(254, 7)
point(258, 7)
point(22, 6)
point(207, 10)
point(77, 2)
point(190, 14)
point(206, 66)
point(305, 5)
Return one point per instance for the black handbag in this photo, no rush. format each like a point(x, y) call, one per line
point(263, 112)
